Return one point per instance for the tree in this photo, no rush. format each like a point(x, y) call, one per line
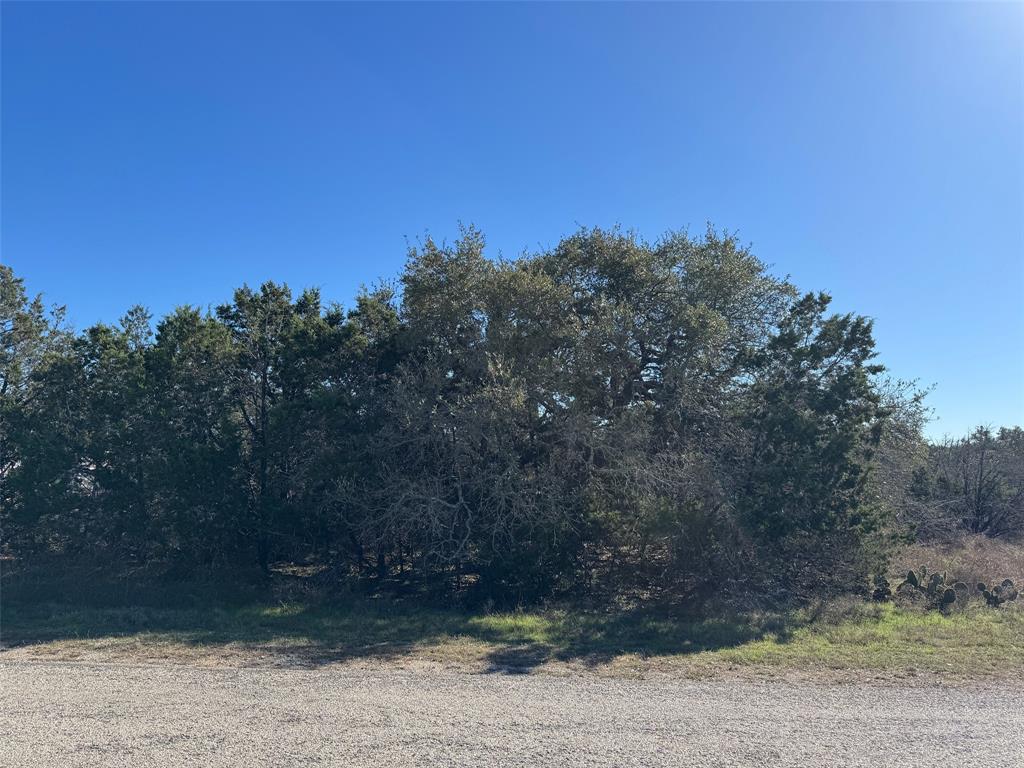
point(608, 415)
point(978, 480)
point(30, 341)
point(814, 418)
point(196, 472)
point(279, 350)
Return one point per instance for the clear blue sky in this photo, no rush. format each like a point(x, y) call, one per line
point(166, 153)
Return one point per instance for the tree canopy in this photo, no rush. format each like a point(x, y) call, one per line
point(608, 414)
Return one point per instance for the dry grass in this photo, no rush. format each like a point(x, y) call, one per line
point(970, 559)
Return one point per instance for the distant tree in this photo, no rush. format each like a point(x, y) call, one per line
point(978, 481)
point(901, 461)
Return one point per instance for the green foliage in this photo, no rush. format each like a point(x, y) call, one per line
point(32, 343)
point(608, 415)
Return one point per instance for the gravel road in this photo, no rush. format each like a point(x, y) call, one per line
point(76, 714)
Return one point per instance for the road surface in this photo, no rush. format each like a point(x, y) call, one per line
point(77, 714)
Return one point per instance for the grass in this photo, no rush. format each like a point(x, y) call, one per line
point(841, 640)
point(969, 559)
point(978, 643)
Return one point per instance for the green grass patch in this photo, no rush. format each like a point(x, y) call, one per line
point(979, 643)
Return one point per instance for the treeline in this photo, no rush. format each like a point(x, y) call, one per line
point(609, 415)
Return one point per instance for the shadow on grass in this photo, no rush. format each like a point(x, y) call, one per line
point(595, 638)
point(319, 632)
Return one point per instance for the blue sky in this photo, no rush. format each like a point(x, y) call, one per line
point(166, 153)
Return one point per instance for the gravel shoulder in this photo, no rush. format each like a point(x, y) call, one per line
point(81, 714)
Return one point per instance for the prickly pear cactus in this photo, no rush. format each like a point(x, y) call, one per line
point(882, 590)
point(935, 592)
point(996, 596)
point(1006, 591)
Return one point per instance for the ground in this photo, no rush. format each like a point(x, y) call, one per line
point(850, 640)
point(177, 677)
point(82, 714)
